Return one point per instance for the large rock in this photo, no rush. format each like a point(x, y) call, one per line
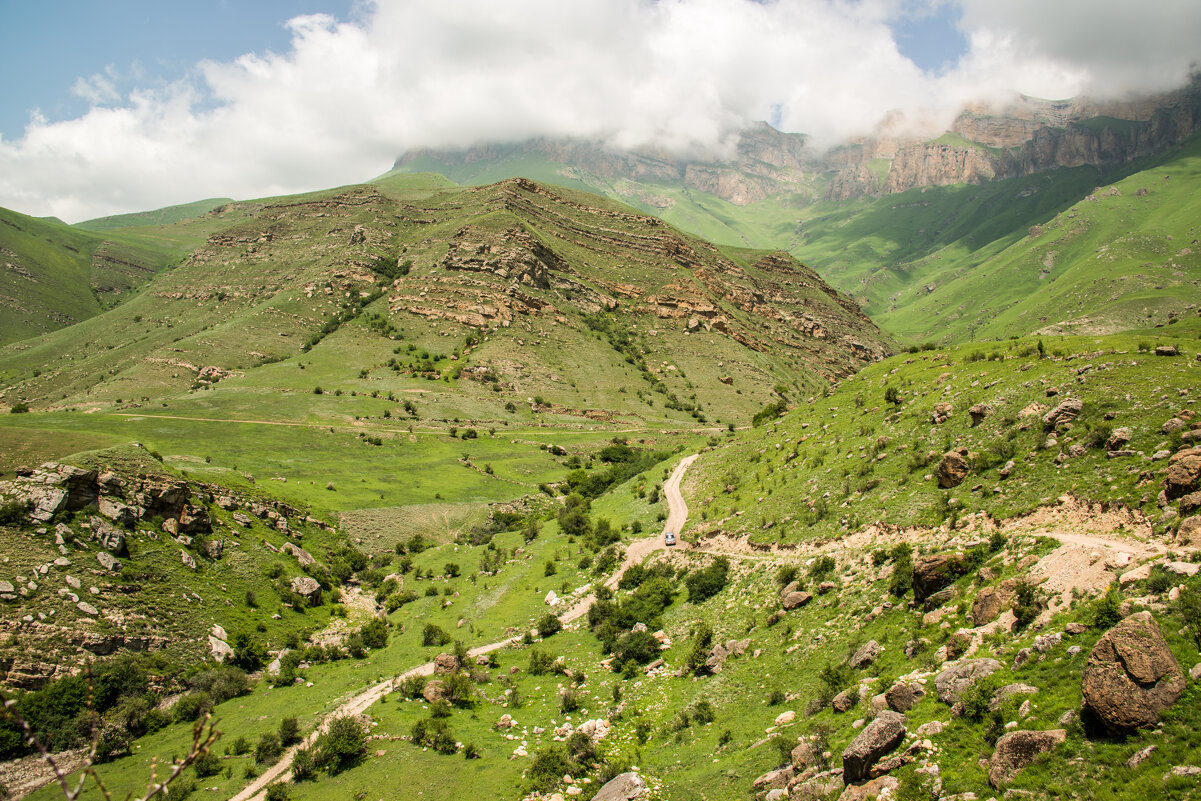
point(903, 696)
point(942, 413)
point(979, 412)
point(302, 556)
point(116, 511)
point(307, 588)
point(108, 562)
point(843, 702)
point(446, 663)
point(953, 682)
point(1131, 676)
point(878, 738)
point(1017, 749)
point(990, 603)
point(878, 788)
point(111, 538)
point(434, 691)
point(625, 787)
point(932, 573)
point(795, 600)
point(1065, 412)
point(1184, 473)
point(953, 468)
point(866, 654)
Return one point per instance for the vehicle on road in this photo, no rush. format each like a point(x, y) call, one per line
point(669, 538)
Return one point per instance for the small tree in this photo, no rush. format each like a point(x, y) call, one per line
point(549, 624)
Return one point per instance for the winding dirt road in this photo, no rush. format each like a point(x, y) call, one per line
point(636, 552)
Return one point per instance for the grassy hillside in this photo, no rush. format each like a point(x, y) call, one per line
point(163, 216)
point(53, 275)
point(868, 452)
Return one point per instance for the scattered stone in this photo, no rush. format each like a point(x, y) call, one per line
point(1017, 749)
point(1065, 412)
point(188, 561)
point(931, 729)
point(308, 589)
point(785, 718)
point(1165, 350)
point(446, 663)
point(951, 683)
point(878, 738)
point(942, 413)
point(1184, 473)
point(1118, 439)
point(1140, 757)
point(843, 702)
point(88, 609)
point(903, 696)
point(866, 654)
point(778, 778)
point(1132, 677)
point(953, 468)
point(881, 787)
point(933, 573)
point(979, 412)
point(625, 787)
point(434, 690)
point(303, 557)
point(1177, 568)
point(109, 562)
point(1009, 691)
point(991, 602)
point(795, 600)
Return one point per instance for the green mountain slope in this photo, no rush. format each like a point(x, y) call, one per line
point(163, 216)
point(53, 275)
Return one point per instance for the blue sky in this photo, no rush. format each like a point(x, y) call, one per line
point(143, 104)
point(46, 46)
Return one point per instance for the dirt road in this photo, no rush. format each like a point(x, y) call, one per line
point(636, 552)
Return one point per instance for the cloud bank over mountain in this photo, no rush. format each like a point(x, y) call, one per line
point(686, 75)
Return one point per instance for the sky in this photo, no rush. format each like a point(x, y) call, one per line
point(130, 105)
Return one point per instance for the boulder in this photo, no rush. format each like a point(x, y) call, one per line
point(795, 600)
point(784, 718)
point(220, 649)
point(1184, 473)
point(1131, 677)
point(1065, 412)
point(116, 511)
point(953, 468)
point(990, 603)
point(881, 788)
point(778, 778)
point(953, 682)
point(214, 548)
point(308, 588)
point(302, 556)
point(108, 562)
point(187, 559)
point(932, 573)
point(446, 663)
point(843, 702)
point(878, 738)
point(1118, 439)
point(434, 690)
point(979, 412)
point(1165, 350)
point(1009, 691)
point(805, 755)
point(866, 654)
point(903, 696)
point(625, 787)
point(942, 413)
point(1017, 749)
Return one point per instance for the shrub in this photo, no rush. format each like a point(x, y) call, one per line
point(1106, 610)
point(786, 575)
point(1159, 581)
point(549, 624)
point(221, 683)
point(705, 583)
point(20, 407)
point(278, 792)
point(191, 706)
point(289, 731)
point(375, 633)
point(434, 734)
point(639, 646)
point(1027, 603)
point(433, 634)
point(541, 663)
point(341, 746)
point(268, 750)
point(550, 568)
point(1189, 608)
point(206, 765)
point(834, 679)
point(569, 701)
point(303, 766)
point(548, 766)
point(702, 638)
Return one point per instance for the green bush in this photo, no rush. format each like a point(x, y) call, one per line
point(375, 633)
point(191, 706)
point(432, 634)
point(343, 745)
point(435, 734)
point(289, 731)
point(279, 792)
point(206, 765)
point(698, 653)
point(549, 624)
point(540, 663)
point(304, 767)
point(268, 750)
point(709, 581)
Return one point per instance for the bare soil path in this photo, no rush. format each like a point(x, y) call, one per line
point(636, 552)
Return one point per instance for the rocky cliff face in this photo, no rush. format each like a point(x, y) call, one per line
point(1025, 136)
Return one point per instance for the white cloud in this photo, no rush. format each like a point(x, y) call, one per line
point(346, 98)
